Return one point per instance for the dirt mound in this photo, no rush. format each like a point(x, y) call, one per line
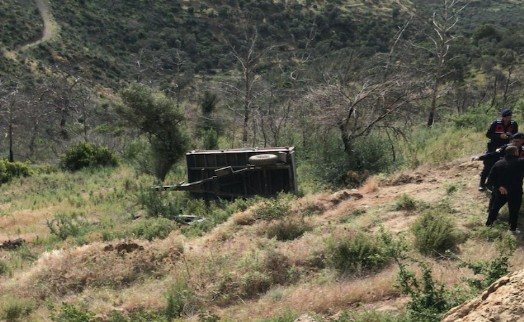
point(502, 301)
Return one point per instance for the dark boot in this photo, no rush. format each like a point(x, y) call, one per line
point(482, 183)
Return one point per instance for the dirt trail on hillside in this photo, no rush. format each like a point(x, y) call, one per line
point(50, 31)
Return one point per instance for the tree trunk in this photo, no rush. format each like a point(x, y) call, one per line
point(433, 107)
point(11, 154)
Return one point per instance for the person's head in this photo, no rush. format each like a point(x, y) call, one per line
point(506, 115)
point(511, 150)
point(517, 139)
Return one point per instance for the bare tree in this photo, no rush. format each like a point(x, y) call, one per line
point(442, 24)
point(356, 103)
point(8, 108)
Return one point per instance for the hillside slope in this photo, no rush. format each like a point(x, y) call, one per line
point(236, 272)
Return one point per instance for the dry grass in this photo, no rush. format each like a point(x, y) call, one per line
point(324, 298)
point(235, 271)
point(370, 185)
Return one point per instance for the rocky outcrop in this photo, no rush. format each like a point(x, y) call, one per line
point(502, 301)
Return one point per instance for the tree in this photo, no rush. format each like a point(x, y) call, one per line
point(8, 106)
point(251, 54)
point(440, 40)
point(157, 116)
point(356, 100)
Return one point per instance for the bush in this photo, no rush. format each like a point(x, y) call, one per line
point(64, 226)
point(153, 228)
point(477, 119)
point(139, 315)
point(275, 208)
point(255, 283)
point(356, 253)
point(4, 268)
point(10, 170)
point(287, 229)
point(405, 202)
point(16, 309)
point(180, 301)
point(157, 203)
point(210, 139)
point(428, 299)
point(435, 233)
point(368, 316)
point(335, 167)
point(492, 269)
point(87, 155)
point(72, 313)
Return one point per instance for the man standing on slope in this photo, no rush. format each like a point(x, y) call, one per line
point(517, 140)
point(499, 133)
point(505, 178)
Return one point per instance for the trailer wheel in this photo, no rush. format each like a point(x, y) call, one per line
point(263, 159)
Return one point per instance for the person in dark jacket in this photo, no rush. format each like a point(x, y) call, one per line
point(505, 178)
point(499, 134)
point(517, 140)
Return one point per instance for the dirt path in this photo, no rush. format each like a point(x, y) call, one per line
point(50, 30)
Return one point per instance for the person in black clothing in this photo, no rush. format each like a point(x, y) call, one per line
point(499, 134)
point(517, 140)
point(505, 178)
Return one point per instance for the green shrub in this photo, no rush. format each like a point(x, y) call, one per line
point(72, 313)
point(274, 208)
point(258, 274)
point(138, 153)
point(156, 228)
point(10, 170)
point(475, 118)
point(139, 315)
point(356, 253)
point(491, 233)
point(68, 225)
point(158, 203)
point(16, 309)
point(4, 268)
point(254, 283)
point(338, 168)
point(428, 299)
point(368, 316)
point(87, 155)
point(405, 202)
point(287, 229)
point(435, 233)
point(180, 301)
point(210, 139)
point(492, 269)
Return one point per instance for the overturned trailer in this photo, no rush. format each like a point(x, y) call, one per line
point(236, 173)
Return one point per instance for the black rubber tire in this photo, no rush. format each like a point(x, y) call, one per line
point(263, 159)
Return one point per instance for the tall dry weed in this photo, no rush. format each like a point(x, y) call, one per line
point(370, 185)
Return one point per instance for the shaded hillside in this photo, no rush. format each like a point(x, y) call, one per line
point(110, 41)
point(20, 23)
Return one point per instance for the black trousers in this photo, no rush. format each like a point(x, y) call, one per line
point(498, 200)
point(488, 164)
